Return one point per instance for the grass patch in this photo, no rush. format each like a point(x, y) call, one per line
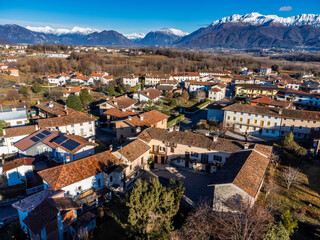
point(198, 106)
point(175, 119)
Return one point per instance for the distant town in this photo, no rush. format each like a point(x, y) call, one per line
point(146, 143)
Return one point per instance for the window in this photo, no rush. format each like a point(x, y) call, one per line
point(291, 127)
point(217, 158)
point(248, 121)
point(241, 119)
point(130, 167)
point(81, 124)
point(172, 149)
point(194, 154)
point(142, 161)
point(81, 131)
point(110, 178)
point(255, 121)
point(72, 125)
point(234, 118)
point(228, 117)
point(99, 182)
point(261, 123)
point(268, 123)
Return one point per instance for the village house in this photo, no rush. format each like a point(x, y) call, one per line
point(299, 97)
point(149, 94)
point(67, 148)
point(88, 180)
point(113, 114)
point(14, 117)
point(100, 76)
point(57, 79)
point(133, 125)
point(122, 103)
point(12, 71)
point(271, 122)
point(292, 84)
point(60, 213)
point(57, 117)
point(167, 85)
point(152, 79)
point(74, 90)
point(187, 149)
point(26, 205)
point(11, 59)
point(16, 171)
point(13, 135)
point(131, 79)
point(241, 177)
point(133, 157)
point(265, 70)
point(269, 102)
point(195, 86)
point(186, 76)
point(217, 92)
point(254, 90)
point(79, 79)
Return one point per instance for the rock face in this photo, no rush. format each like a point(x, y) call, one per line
point(241, 35)
point(163, 37)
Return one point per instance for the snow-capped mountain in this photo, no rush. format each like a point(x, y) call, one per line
point(62, 31)
point(135, 36)
point(259, 19)
point(172, 31)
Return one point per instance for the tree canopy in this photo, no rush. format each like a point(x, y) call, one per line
point(85, 96)
point(74, 102)
point(3, 125)
point(152, 207)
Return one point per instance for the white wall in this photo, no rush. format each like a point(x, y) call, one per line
point(14, 178)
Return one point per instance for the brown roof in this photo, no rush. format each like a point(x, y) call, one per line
point(215, 89)
point(203, 83)
point(147, 118)
point(269, 101)
point(122, 102)
point(46, 211)
point(151, 93)
point(134, 149)
point(185, 74)
point(20, 131)
point(27, 142)
point(73, 117)
point(191, 139)
point(67, 174)
point(246, 168)
point(56, 110)
point(131, 76)
point(258, 86)
point(119, 113)
point(286, 113)
point(75, 89)
point(7, 166)
point(251, 174)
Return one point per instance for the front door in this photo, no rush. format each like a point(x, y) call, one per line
point(162, 159)
point(156, 159)
point(208, 167)
point(187, 164)
point(187, 155)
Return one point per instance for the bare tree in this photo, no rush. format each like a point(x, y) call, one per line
point(290, 176)
point(246, 222)
point(201, 95)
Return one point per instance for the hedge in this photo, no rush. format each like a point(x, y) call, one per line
point(197, 107)
point(176, 119)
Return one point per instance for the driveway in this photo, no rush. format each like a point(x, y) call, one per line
point(196, 184)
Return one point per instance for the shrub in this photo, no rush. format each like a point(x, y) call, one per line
point(289, 224)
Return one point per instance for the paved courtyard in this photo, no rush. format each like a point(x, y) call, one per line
point(196, 184)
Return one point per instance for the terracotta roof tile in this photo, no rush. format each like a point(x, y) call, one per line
point(134, 149)
point(20, 131)
point(150, 93)
point(27, 142)
point(122, 102)
point(147, 119)
point(82, 142)
point(119, 113)
point(67, 174)
point(7, 166)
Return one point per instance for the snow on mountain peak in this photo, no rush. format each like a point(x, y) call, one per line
point(172, 31)
point(135, 36)
point(255, 18)
point(60, 31)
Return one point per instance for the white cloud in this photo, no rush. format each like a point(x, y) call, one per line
point(285, 9)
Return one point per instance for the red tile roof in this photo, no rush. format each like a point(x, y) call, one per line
point(122, 102)
point(67, 174)
point(26, 142)
point(75, 89)
point(150, 93)
point(119, 113)
point(7, 166)
point(19, 131)
point(134, 149)
point(147, 119)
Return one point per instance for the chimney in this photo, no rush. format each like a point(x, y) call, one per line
point(115, 103)
point(111, 147)
point(280, 111)
point(3, 132)
point(37, 127)
point(130, 118)
point(246, 145)
point(38, 102)
point(141, 117)
point(215, 138)
point(125, 95)
point(133, 110)
point(67, 132)
point(93, 140)
point(148, 93)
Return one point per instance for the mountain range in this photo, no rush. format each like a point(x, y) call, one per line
point(252, 30)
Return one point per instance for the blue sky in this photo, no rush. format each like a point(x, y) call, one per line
point(141, 15)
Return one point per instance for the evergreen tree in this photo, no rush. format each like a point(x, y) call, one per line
point(85, 96)
point(277, 232)
point(151, 209)
point(111, 90)
point(36, 88)
point(74, 102)
point(289, 224)
point(175, 185)
point(288, 139)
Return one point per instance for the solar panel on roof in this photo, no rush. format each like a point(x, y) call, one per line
point(35, 139)
point(70, 144)
point(61, 139)
point(46, 132)
point(39, 135)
